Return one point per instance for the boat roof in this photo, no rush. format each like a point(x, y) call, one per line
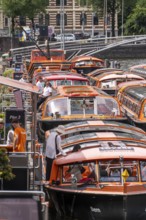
point(119, 75)
point(99, 125)
point(132, 83)
point(80, 91)
point(103, 70)
point(65, 77)
point(55, 73)
point(140, 66)
point(84, 57)
point(105, 151)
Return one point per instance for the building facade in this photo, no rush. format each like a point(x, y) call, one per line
point(65, 16)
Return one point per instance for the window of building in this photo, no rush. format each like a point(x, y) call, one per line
point(60, 2)
point(83, 18)
point(41, 17)
point(47, 19)
point(95, 19)
point(22, 20)
point(58, 19)
point(6, 22)
point(65, 19)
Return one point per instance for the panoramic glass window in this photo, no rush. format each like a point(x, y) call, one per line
point(116, 171)
point(79, 82)
point(82, 105)
point(107, 106)
point(56, 106)
point(64, 82)
point(79, 172)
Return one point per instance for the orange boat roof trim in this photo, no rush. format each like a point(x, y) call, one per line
point(77, 91)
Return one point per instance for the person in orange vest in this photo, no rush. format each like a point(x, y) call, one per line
point(19, 144)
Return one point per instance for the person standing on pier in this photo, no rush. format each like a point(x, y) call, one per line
point(19, 143)
point(53, 147)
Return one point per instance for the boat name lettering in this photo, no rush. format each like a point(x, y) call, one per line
point(116, 148)
point(95, 209)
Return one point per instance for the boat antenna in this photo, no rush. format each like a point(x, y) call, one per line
point(33, 40)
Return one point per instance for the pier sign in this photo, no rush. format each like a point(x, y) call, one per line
point(13, 113)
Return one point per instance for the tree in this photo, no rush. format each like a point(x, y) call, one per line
point(5, 168)
point(29, 8)
point(136, 22)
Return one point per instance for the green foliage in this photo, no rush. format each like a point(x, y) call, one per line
point(136, 22)
point(5, 168)
point(8, 73)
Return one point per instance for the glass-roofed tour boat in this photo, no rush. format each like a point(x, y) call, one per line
point(78, 103)
point(103, 175)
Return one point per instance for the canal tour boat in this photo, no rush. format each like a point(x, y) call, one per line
point(103, 174)
point(109, 81)
point(41, 60)
point(57, 78)
point(132, 97)
point(85, 64)
point(77, 103)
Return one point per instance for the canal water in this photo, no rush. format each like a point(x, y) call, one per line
point(125, 64)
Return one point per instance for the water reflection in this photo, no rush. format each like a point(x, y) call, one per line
point(54, 216)
point(125, 64)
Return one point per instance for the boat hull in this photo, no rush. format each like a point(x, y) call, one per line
point(88, 206)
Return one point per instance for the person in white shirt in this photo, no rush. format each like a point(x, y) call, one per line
point(47, 91)
point(40, 84)
point(53, 147)
point(10, 136)
point(24, 78)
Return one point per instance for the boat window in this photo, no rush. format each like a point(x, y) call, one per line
point(64, 82)
point(108, 84)
point(82, 106)
point(118, 171)
point(79, 172)
point(144, 110)
point(79, 82)
point(107, 106)
point(143, 170)
point(56, 106)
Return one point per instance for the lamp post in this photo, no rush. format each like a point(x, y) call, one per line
point(122, 32)
point(62, 22)
point(93, 14)
point(106, 21)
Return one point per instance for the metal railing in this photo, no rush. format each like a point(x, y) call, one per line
point(91, 44)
